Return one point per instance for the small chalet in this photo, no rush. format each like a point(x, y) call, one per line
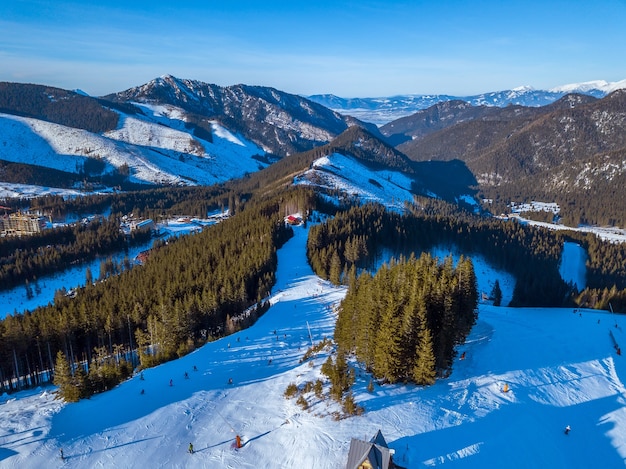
point(373, 454)
point(293, 220)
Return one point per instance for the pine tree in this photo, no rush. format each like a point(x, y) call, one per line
point(387, 346)
point(334, 274)
point(424, 372)
point(64, 379)
point(496, 294)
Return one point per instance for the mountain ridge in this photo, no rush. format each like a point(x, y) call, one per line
point(280, 122)
point(571, 151)
point(172, 131)
point(382, 110)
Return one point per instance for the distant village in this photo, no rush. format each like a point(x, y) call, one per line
point(24, 223)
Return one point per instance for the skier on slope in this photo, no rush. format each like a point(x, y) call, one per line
point(190, 448)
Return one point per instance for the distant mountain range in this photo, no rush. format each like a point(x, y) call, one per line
point(172, 131)
point(380, 111)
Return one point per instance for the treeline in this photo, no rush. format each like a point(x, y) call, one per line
point(404, 322)
point(24, 259)
point(152, 203)
point(56, 105)
point(87, 177)
point(361, 235)
point(186, 293)
point(20, 173)
point(606, 273)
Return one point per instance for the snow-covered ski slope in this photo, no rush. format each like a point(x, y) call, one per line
point(559, 364)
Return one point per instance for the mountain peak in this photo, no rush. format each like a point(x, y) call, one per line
point(523, 89)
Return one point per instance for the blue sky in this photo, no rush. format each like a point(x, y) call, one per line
point(348, 48)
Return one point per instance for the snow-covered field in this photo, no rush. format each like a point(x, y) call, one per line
point(559, 364)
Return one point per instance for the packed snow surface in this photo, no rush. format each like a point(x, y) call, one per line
point(559, 364)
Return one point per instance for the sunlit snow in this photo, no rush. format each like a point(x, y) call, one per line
point(559, 365)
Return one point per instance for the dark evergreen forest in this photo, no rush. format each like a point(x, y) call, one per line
point(404, 322)
point(192, 289)
point(25, 259)
point(357, 238)
point(200, 287)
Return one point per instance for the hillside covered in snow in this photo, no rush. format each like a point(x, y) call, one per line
point(156, 148)
point(560, 366)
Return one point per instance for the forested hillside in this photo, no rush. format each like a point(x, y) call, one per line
point(56, 105)
point(569, 152)
point(190, 291)
point(25, 259)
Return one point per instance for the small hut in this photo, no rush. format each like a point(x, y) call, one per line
point(373, 454)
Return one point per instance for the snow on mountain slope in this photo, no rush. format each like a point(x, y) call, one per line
point(141, 132)
point(588, 86)
point(9, 190)
point(154, 151)
point(24, 140)
point(348, 175)
point(381, 111)
point(559, 364)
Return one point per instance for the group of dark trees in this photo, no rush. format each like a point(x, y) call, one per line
point(404, 322)
point(152, 203)
point(359, 237)
point(25, 259)
point(56, 105)
point(91, 174)
point(185, 294)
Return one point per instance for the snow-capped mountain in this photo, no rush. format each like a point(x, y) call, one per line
point(383, 110)
point(279, 122)
point(167, 131)
point(153, 146)
point(597, 88)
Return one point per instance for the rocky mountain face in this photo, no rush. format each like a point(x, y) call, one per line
point(572, 151)
point(501, 145)
point(278, 122)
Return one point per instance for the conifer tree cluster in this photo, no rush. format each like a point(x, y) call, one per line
point(190, 290)
point(358, 237)
point(27, 258)
point(404, 322)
